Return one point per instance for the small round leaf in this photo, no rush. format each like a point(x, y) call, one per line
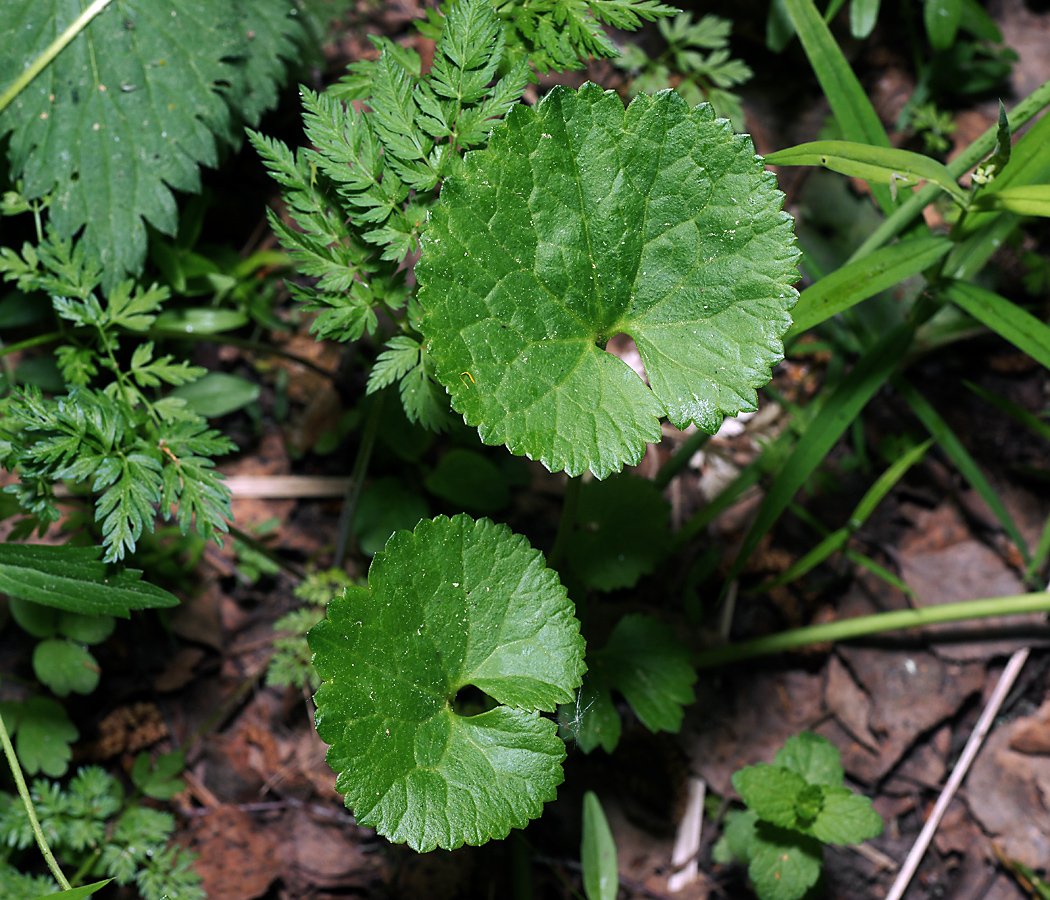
point(582, 220)
point(453, 603)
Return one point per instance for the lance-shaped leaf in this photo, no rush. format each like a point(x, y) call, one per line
point(451, 604)
point(582, 220)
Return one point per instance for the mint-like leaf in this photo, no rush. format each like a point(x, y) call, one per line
point(813, 757)
point(581, 221)
point(845, 818)
point(451, 604)
point(770, 791)
point(785, 864)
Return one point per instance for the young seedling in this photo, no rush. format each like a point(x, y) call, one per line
point(796, 805)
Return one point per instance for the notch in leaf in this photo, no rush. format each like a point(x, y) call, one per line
point(452, 604)
point(582, 220)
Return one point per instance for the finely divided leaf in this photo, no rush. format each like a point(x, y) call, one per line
point(452, 604)
point(581, 221)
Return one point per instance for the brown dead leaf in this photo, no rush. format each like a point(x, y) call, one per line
point(1009, 794)
point(848, 703)
point(966, 570)
point(328, 855)
point(1031, 734)
point(237, 858)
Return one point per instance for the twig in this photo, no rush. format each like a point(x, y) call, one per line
point(980, 731)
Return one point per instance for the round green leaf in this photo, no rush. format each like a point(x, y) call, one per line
point(453, 603)
point(580, 221)
point(64, 666)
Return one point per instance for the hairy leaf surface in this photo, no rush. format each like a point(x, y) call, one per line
point(452, 604)
point(581, 221)
point(133, 106)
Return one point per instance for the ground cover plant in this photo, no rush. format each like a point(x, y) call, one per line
point(483, 256)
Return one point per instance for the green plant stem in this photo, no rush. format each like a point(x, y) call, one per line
point(259, 547)
point(567, 522)
point(31, 342)
point(875, 624)
point(27, 800)
point(1026, 110)
point(680, 458)
point(357, 480)
point(57, 46)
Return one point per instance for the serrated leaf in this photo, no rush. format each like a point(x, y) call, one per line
point(581, 221)
point(131, 108)
point(771, 791)
point(454, 603)
point(785, 864)
point(65, 666)
point(609, 550)
point(401, 355)
point(72, 578)
point(813, 757)
point(845, 818)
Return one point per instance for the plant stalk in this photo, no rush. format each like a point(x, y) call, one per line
point(680, 458)
point(357, 479)
point(27, 800)
point(57, 46)
point(875, 624)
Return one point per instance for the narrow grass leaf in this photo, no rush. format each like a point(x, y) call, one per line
point(1027, 333)
point(856, 281)
point(853, 111)
point(962, 459)
point(882, 165)
point(859, 559)
point(838, 539)
point(862, 17)
point(1018, 413)
point(601, 877)
point(840, 409)
point(1029, 200)
point(1041, 552)
point(77, 893)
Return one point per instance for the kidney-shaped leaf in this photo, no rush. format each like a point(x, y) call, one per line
point(453, 603)
point(582, 220)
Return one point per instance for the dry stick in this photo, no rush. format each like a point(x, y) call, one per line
point(984, 724)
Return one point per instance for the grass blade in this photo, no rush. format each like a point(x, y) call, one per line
point(882, 165)
point(864, 278)
point(1006, 319)
point(1018, 413)
point(1028, 200)
point(962, 459)
point(853, 111)
point(840, 409)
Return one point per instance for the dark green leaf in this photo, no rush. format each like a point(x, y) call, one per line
point(581, 221)
point(454, 603)
point(470, 480)
point(72, 578)
point(201, 320)
point(386, 506)
point(132, 107)
point(645, 662)
point(622, 532)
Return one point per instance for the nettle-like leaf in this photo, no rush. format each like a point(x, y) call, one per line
point(454, 603)
point(581, 221)
point(133, 106)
